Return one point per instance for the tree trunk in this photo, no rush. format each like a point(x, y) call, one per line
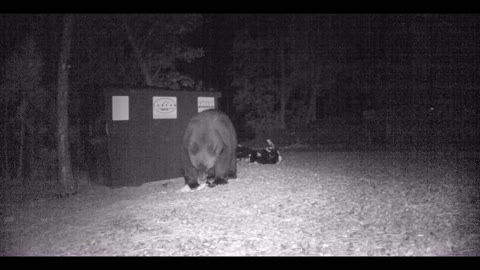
point(325, 105)
point(283, 88)
point(31, 151)
point(5, 142)
point(138, 55)
point(64, 161)
point(312, 108)
point(19, 177)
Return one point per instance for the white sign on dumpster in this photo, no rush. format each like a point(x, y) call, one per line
point(120, 108)
point(164, 107)
point(205, 103)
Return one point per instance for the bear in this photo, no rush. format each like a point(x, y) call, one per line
point(209, 150)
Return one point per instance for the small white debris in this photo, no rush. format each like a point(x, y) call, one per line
point(202, 186)
point(186, 188)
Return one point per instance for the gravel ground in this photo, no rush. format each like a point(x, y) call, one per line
point(311, 204)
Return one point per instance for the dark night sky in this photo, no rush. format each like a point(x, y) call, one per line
point(449, 50)
point(46, 28)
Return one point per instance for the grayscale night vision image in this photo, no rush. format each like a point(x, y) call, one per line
point(239, 134)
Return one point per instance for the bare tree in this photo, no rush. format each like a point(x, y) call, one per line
point(283, 84)
point(157, 47)
point(138, 53)
point(6, 164)
point(64, 161)
point(21, 89)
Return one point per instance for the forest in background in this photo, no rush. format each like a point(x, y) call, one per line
point(308, 78)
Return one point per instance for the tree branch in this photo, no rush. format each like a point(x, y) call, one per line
point(138, 55)
point(144, 42)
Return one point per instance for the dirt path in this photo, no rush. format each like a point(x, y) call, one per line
point(310, 204)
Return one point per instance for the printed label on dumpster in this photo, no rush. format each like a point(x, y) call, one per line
point(164, 107)
point(205, 103)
